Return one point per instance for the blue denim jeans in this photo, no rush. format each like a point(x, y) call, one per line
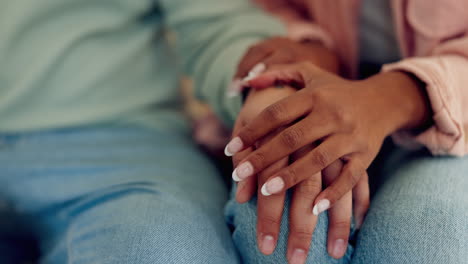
point(110, 194)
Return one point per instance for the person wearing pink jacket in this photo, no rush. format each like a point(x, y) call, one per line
point(372, 69)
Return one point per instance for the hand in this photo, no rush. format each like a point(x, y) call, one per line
point(302, 221)
point(281, 50)
point(350, 119)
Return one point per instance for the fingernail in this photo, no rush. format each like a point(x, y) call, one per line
point(268, 245)
point(272, 186)
point(298, 257)
point(259, 68)
point(321, 206)
point(256, 70)
point(234, 146)
point(235, 88)
point(339, 248)
point(242, 171)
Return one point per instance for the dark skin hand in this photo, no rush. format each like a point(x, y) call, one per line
point(349, 120)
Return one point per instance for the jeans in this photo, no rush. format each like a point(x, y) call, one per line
point(111, 195)
point(115, 194)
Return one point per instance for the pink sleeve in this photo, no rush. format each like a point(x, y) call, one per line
point(445, 73)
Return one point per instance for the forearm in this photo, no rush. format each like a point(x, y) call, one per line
point(212, 36)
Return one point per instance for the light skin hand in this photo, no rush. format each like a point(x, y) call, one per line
point(349, 118)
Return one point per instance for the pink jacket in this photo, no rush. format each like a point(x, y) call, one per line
point(433, 37)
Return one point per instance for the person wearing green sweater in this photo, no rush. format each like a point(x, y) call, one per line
point(96, 160)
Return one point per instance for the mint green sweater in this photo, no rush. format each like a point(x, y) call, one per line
point(68, 63)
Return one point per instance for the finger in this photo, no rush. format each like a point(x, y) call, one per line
point(339, 224)
point(318, 159)
point(279, 114)
point(304, 133)
point(297, 75)
point(302, 221)
point(339, 217)
point(245, 189)
point(270, 211)
point(255, 55)
point(352, 171)
point(361, 200)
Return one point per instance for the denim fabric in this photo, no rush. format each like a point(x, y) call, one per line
point(111, 195)
point(418, 214)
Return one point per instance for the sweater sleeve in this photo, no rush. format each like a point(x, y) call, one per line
point(211, 38)
point(445, 74)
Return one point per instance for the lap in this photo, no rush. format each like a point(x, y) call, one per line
point(117, 194)
point(418, 213)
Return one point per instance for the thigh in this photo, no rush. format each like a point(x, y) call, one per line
point(243, 220)
point(419, 212)
point(118, 195)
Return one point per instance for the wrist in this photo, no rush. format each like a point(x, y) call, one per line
point(402, 100)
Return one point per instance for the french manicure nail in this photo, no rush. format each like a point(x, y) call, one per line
point(268, 245)
point(256, 70)
point(234, 88)
point(272, 186)
point(259, 68)
point(321, 206)
point(234, 146)
point(242, 171)
point(339, 248)
point(298, 257)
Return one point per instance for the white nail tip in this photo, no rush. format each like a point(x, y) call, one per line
point(315, 211)
point(227, 152)
point(259, 68)
point(265, 191)
point(235, 177)
point(320, 207)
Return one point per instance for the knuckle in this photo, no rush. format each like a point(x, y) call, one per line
point(302, 234)
point(274, 113)
point(291, 138)
point(290, 176)
point(321, 158)
point(340, 224)
point(269, 220)
point(309, 189)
